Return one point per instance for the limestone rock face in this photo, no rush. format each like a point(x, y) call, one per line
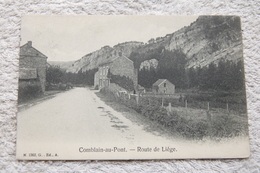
point(208, 39)
point(147, 64)
point(103, 55)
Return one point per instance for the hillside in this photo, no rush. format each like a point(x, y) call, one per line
point(208, 39)
point(64, 65)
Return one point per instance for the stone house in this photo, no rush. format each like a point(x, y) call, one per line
point(163, 86)
point(120, 65)
point(32, 65)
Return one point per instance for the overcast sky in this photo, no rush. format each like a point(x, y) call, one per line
point(67, 38)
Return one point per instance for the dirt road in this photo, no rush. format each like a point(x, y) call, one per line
point(78, 118)
point(76, 124)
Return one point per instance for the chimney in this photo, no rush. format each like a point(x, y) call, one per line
point(30, 43)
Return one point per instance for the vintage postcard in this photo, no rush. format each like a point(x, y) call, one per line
point(131, 87)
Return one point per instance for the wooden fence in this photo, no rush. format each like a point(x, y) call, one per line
point(174, 100)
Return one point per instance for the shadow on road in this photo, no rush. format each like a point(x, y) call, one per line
point(29, 103)
point(149, 126)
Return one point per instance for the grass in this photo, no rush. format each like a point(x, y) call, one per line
point(190, 123)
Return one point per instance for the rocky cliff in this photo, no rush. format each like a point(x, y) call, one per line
point(105, 54)
point(147, 64)
point(208, 39)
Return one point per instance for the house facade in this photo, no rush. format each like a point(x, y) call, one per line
point(120, 65)
point(32, 65)
point(163, 86)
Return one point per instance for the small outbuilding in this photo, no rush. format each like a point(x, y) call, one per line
point(163, 86)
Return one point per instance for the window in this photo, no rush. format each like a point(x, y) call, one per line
point(164, 84)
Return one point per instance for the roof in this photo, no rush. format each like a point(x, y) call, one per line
point(27, 73)
point(127, 58)
point(106, 62)
point(160, 81)
point(110, 61)
point(31, 47)
point(139, 87)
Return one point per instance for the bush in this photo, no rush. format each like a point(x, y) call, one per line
point(28, 91)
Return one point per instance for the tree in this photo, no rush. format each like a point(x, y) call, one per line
point(211, 76)
point(171, 66)
point(123, 81)
point(147, 77)
point(90, 74)
point(54, 75)
point(192, 78)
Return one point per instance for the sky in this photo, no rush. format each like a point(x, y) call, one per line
point(68, 38)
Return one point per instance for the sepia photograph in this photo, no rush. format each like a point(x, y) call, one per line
point(131, 87)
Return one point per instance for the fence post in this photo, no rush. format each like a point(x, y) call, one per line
point(186, 104)
point(137, 98)
point(227, 107)
point(162, 101)
point(208, 106)
point(170, 107)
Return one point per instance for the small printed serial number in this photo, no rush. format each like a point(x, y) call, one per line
point(40, 155)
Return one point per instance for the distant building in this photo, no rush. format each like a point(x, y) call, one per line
point(120, 65)
point(32, 65)
point(163, 86)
